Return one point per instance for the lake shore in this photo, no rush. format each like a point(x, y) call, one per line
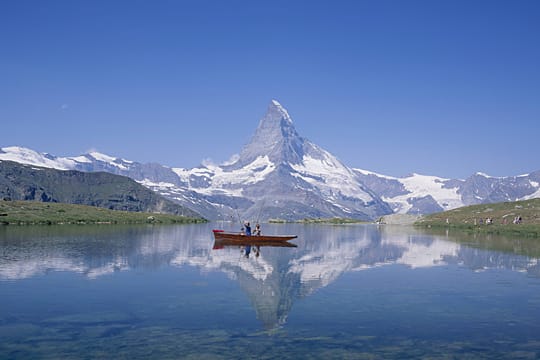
point(40, 213)
point(511, 218)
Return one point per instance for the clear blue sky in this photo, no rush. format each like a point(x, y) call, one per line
point(442, 88)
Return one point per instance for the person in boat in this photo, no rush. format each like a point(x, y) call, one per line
point(247, 229)
point(257, 229)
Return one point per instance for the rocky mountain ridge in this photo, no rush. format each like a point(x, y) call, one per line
point(100, 189)
point(281, 175)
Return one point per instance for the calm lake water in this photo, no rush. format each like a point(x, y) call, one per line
point(346, 292)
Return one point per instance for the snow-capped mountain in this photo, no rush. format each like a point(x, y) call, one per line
point(415, 194)
point(280, 174)
point(421, 194)
point(160, 177)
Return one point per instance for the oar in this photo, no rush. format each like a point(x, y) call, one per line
point(260, 211)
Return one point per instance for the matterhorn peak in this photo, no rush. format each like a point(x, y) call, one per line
point(275, 137)
point(275, 124)
point(277, 109)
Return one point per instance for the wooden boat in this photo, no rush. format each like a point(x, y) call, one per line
point(220, 244)
point(234, 236)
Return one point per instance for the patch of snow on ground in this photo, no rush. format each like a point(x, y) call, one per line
point(534, 195)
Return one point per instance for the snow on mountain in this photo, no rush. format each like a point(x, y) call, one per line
point(279, 174)
point(30, 157)
point(480, 188)
point(274, 137)
point(120, 163)
point(535, 194)
point(422, 194)
point(414, 194)
point(293, 176)
point(423, 186)
point(418, 193)
point(216, 180)
point(27, 156)
point(334, 175)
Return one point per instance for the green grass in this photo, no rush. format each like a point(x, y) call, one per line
point(40, 213)
point(473, 218)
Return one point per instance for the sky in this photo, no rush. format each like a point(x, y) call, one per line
point(445, 88)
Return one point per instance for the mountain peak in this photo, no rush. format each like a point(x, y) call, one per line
point(102, 157)
point(275, 137)
point(276, 109)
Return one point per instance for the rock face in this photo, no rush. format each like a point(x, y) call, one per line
point(480, 188)
point(276, 138)
point(101, 189)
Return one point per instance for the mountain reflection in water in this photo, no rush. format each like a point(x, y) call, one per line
point(274, 279)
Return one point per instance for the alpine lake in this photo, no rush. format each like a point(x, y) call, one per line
point(345, 292)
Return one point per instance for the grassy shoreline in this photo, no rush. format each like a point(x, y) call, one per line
point(501, 217)
point(40, 213)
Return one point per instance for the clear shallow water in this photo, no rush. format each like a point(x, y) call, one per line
point(345, 292)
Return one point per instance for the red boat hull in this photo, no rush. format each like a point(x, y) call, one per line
point(230, 236)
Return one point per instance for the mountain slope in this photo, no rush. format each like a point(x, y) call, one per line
point(421, 194)
point(279, 174)
point(512, 217)
point(101, 189)
point(415, 194)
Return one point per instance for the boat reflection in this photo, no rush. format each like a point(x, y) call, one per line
point(221, 244)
